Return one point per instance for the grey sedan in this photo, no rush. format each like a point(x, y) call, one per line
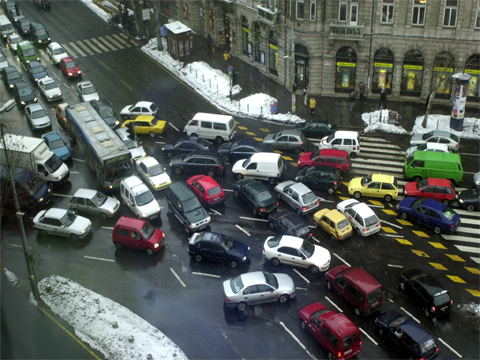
point(439, 137)
point(287, 140)
point(94, 203)
point(37, 116)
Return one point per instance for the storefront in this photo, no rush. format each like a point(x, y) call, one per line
point(345, 70)
point(472, 68)
point(273, 63)
point(443, 69)
point(301, 66)
point(382, 70)
point(245, 36)
point(412, 74)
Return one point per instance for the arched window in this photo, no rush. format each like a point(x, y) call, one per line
point(412, 73)
point(301, 66)
point(273, 63)
point(472, 68)
point(257, 39)
point(245, 35)
point(443, 69)
point(382, 70)
point(345, 70)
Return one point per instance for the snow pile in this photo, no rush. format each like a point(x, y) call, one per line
point(104, 324)
point(12, 278)
point(471, 126)
point(93, 7)
point(472, 309)
point(378, 121)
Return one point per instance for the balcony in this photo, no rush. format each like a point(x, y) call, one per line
point(267, 16)
point(346, 32)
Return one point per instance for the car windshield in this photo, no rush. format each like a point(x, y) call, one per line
point(34, 185)
point(70, 65)
point(41, 32)
point(342, 224)
point(153, 107)
point(25, 91)
point(214, 191)
point(68, 218)
point(191, 204)
point(147, 231)
point(38, 69)
point(374, 296)
point(277, 135)
point(50, 85)
point(144, 198)
point(454, 138)
point(449, 213)
point(427, 135)
point(398, 321)
point(29, 52)
point(99, 198)
point(58, 51)
point(366, 180)
point(53, 164)
point(274, 241)
point(228, 242)
point(314, 155)
point(2, 58)
point(13, 75)
point(236, 284)
point(428, 345)
point(108, 112)
point(38, 113)
point(263, 196)
point(422, 183)
point(441, 299)
point(307, 248)
point(271, 279)
point(56, 144)
point(330, 137)
point(422, 147)
point(88, 90)
point(371, 220)
point(154, 122)
point(155, 170)
point(418, 203)
point(309, 197)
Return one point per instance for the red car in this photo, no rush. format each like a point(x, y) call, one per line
point(70, 67)
point(437, 189)
point(206, 190)
point(137, 234)
point(338, 159)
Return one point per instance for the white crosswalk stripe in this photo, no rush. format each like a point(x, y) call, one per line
point(99, 45)
point(78, 51)
point(84, 47)
point(107, 43)
point(89, 43)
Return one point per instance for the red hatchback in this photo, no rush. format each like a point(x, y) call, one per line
point(436, 189)
point(206, 190)
point(70, 67)
point(338, 159)
point(137, 234)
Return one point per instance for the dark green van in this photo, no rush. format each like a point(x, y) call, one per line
point(26, 52)
point(429, 164)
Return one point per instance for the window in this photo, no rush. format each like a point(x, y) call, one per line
point(342, 10)
point(450, 14)
point(313, 10)
point(206, 124)
point(331, 160)
point(300, 9)
point(477, 18)
point(325, 332)
point(387, 11)
point(418, 17)
point(218, 126)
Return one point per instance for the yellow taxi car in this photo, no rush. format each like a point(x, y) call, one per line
point(334, 223)
point(147, 125)
point(374, 185)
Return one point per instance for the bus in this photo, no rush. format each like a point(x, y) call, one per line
point(107, 155)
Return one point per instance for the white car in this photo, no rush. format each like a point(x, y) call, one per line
point(139, 198)
point(37, 116)
point(12, 42)
point(298, 196)
point(295, 251)
point(153, 173)
point(56, 52)
point(87, 91)
point(360, 216)
point(437, 136)
point(94, 203)
point(3, 61)
point(140, 108)
point(49, 88)
point(427, 147)
point(135, 146)
point(62, 222)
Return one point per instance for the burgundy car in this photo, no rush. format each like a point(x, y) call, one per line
point(338, 159)
point(206, 190)
point(436, 189)
point(70, 67)
point(137, 234)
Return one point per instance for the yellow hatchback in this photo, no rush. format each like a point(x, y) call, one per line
point(374, 185)
point(147, 125)
point(334, 223)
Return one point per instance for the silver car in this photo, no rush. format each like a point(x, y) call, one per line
point(92, 202)
point(257, 287)
point(437, 136)
point(37, 116)
point(62, 222)
point(49, 88)
point(87, 91)
point(298, 196)
point(153, 173)
point(287, 140)
point(56, 52)
point(12, 42)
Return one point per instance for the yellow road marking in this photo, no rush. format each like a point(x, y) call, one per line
point(343, 198)
point(258, 139)
point(375, 202)
point(389, 212)
point(264, 130)
point(456, 279)
point(250, 133)
point(404, 222)
point(388, 230)
point(403, 241)
point(455, 257)
point(345, 183)
point(294, 164)
point(420, 253)
point(236, 122)
point(438, 266)
point(437, 245)
point(474, 292)
point(242, 127)
point(420, 233)
point(338, 192)
point(278, 151)
point(473, 270)
point(288, 158)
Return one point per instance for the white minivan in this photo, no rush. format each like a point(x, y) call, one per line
point(212, 126)
point(262, 166)
point(360, 216)
point(139, 198)
point(342, 140)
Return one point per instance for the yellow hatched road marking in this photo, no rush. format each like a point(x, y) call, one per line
point(250, 133)
point(404, 222)
point(345, 183)
point(236, 122)
point(456, 279)
point(242, 127)
point(438, 266)
point(288, 158)
point(473, 270)
point(420, 233)
point(338, 192)
point(389, 212)
point(455, 257)
point(343, 198)
point(403, 241)
point(375, 202)
point(264, 130)
point(437, 245)
point(278, 151)
point(388, 230)
point(474, 292)
point(258, 139)
point(294, 164)
point(420, 253)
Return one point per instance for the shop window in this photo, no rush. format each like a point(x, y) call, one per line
point(345, 65)
point(419, 10)
point(387, 11)
point(273, 63)
point(412, 73)
point(382, 70)
point(257, 41)
point(442, 71)
point(472, 68)
point(300, 10)
point(342, 10)
point(245, 35)
point(313, 10)
point(477, 18)
point(450, 14)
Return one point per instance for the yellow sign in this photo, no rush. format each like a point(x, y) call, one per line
point(345, 64)
point(470, 71)
point(383, 65)
point(413, 67)
point(246, 30)
point(442, 69)
point(274, 47)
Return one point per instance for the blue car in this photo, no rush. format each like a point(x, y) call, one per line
point(57, 145)
point(407, 335)
point(36, 71)
point(429, 212)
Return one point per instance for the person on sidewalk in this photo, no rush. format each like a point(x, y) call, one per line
point(313, 103)
point(353, 95)
point(383, 98)
point(226, 56)
point(305, 95)
point(362, 91)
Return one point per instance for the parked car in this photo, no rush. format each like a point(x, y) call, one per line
point(69, 67)
point(153, 173)
point(287, 140)
point(137, 234)
point(218, 247)
point(134, 146)
point(56, 144)
point(62, 222)
point(87, 91)
point(257, 287)
point(36, 71)
point(60, 115)
point(94, 203)
point(334, 223)
point(145, 108)
point(298, 196)
point(437, 136)
point(106, 112)
point(295, 251)
point(435, 147)
point(407, 335)
point(147, 125)
point(139, 198)
point(336, 333)
point(23, 27)
point(469, 199)
point(374, 185)
point(256, 195)
point(3, 61)
point(289, 223)
point(207, 190)
point(320, 177)
point(431, 188)
point(337, 159)
point(12, 41)
point(49, 88)
point(10, 77)
point(199, 162)
point(56, 52)
point(361, 217)
point(186, 145)
point(242, 149)
point(37, 116)
point(39, 34)
point(429, 212)
point(316, 129)
point(426, 291)
point(24, 94)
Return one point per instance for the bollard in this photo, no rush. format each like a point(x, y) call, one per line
point(248, 107)
point(437, 123)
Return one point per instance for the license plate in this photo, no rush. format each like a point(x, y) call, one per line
point(217, 198)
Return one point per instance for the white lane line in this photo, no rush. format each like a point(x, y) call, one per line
point(467, 213)
point(376, 161)
point(203, 274)
point(160, 142)
point(84, 47)
point(120, 39)
point(444, 343)
point(66, 196)
point(77, 49)
point(331, 302)
point(395, 266)
point(96, 258)
point(297, 340)
point(461, 238)
point(303, 277)
point(314, 238)
point(70, 52)
point(376, 206)
point(376, 167)
point(15, 245)
point(368, 336)
point(413, 317)
point(106, 67)
point(249, 218)
point(178, 277)
point(300, 288)
point(476, 259)
point(391, 235)
point(79, 160)
point(342, 260)
point(471, 249)
point(113, 41)
point(74, 172)
point(216, 212)
point(391, 224)
point(229, 190)
point(126, 85)
point(245, 231)
point(106, 227)
point(173, 126)
point(366, 144)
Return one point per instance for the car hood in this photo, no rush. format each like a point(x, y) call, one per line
point(406, 204)
point(307, 311)
point(240, 250)
point(150, 208)
point(269, 138)
point(90, 97)
point(225, 148)
point(301, 232)
point(355, 183)
point(410, 150)
point(111, 121)
point(61, 152)
point(79, 225)
point(305, 157)
point(41, 120)
point(416, 139)
point(196, 215)
point(238, 166)
point(320, 256)
point(52, 92)
point(160, 179)
point(125, 110)
point(411, 187)
point(267, 202)
point(110, 204)
point(137, 152)
point(301, 174)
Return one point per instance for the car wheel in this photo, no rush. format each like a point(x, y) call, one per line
point(299, 212)
point(219, 140)
point(118, 246)
point(283, 298)
point(152, 134)
point(169, 155)
point(233, 264)
point(271, 181)
point(43, 233)
point(198, 257)
point(333, 237)
point(404, 216)
point(437, 230)
point(353, 155)
point(380, 332)
point(417, 178)
point(275, 262)
point(357, 311)
point(104, 216)
point(314, 269)
point(242, 306)
point(178, 171)
point(306, 167)
point(303, 325)
point(272, 226)
point(186, 228)
point(211, 173)
point(235, 192)
point(297, 151)
point(149, 251)
point(402, 286)
point(388, 198)
point(471, 207)
point(74, 236)
point(446, 201)
point(239, 176)
point(329, 286)
point(279, 196)
point(331, 191)
point(357, 195)
point(194, 135)
point(426, 312)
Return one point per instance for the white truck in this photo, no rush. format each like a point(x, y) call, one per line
point(35, 155)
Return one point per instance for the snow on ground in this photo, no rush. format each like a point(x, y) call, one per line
point(471, 126)
point(104, 324)
point(11, 277)
point(378, 121)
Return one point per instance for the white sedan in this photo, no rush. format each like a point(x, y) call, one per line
point(437, 136)
point(62, 222)
point(295, 251)
point(56, 52)
point(87, 91)
point(141, 108)
point(50, 89)
point(12, 42)
point(153, 173)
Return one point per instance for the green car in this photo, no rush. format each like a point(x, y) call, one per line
point(321, 177)
point(317, 128)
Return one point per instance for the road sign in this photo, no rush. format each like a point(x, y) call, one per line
point(229, 68)
point(146, 14)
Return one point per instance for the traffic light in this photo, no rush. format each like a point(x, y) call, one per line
point(235, 75)
point(131, 131)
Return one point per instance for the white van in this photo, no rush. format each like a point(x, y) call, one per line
point(342, 140)
point(6, 27)
point(139, 198)
point(211, 126)
point(262, 166)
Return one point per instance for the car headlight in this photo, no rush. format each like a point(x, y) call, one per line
point(461, 201)
point(83, 231)
point(156, 245)
point(48, 39)
point(50, 96)
point(144, 215)
point(117, 122)
point(39, 41)
point(11, 86)
point(79, 72)
point(60, 177)
point(69, 74)
point(22, 102)
point(244, 258)
point(40, 200)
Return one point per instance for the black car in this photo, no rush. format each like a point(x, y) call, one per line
point(7, 6)
point(320, 177)
point(469, 199)
point(289, 223)
point(218, 247)
point(408, 336)
point(186, 145)
point(106, 112)
point(42, 4)
point(210, 163)
point(23, 27)
point(427, 292)
point(317, 128)
point(256, 195)
point(24, 94)
point(15, 14)
point(243, 149)
point(10, 77)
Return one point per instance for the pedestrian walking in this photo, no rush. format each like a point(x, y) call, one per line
point(383, 98)
point(305, 96)
point(313, 103)
point(226, 56)
point(362, 91)
point(353, 95)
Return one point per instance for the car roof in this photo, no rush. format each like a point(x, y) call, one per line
point(102, 102)
point(382, 178)
point(144, 103)
point(10, 69)
point(205, 153)
point(148, 118)
point(434, 204)
point(291, 132)
point(148, 160)
point(265, 156)
point(35, 106)
point(362, 278)
point(13, 36)
point(85, 83)
point(300, 188)
point(334, 215)
point(248, 141)
point(51, 135)
point(130, 222)
point(441, 133)
point(46, 80)
point(291, 241)
point(335, 152)
point(363, 209)
point(68, 59)
point(439, 182)
point(342, 324)
point(21, 85)
point(252, 278)
point(35, 63)
point(85, 193)
point(136, 184)
point(55, 45)
point(323, 168)
point(182, 191)
point(207, 182)
point(416, 331)
point(55, 213)
point(431, 285)
point(212, 237)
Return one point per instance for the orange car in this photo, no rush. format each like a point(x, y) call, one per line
point(60, 115)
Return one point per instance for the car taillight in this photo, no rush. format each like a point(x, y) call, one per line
point(432, 309)
point(304, 208)
point(339, 354)
point(221, 167)
point(227, 299)
point(261, 209)
point(310, 235)
point(451, 302)
point(457, 145)
point(318, 202)
point(379, 224)
point(365, 229)
point(335, 183)
point(451, 226)
point(278, 203)
point(301, 143)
